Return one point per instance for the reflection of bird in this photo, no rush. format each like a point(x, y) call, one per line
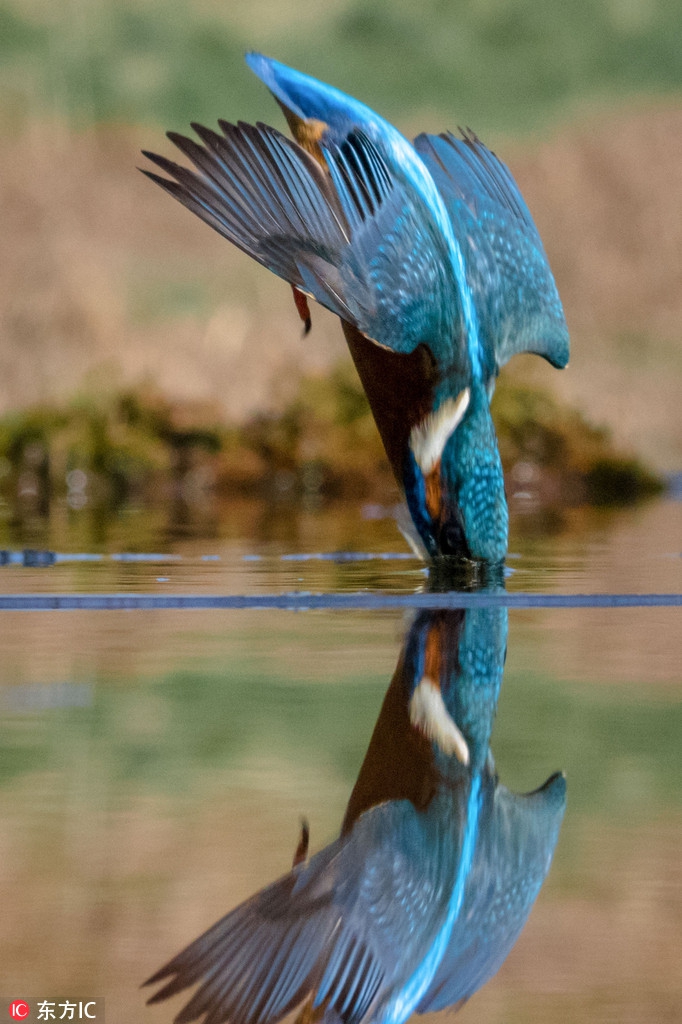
point(354, 925)
point(422, 896)
point(426, 252)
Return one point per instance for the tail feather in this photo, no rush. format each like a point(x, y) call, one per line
point(306, 97)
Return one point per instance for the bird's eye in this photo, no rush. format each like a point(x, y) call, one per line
point(452, 539)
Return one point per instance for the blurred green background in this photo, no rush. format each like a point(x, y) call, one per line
point(504, 65)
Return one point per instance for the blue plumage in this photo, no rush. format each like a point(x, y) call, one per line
point(431, 880)
point(428, 254)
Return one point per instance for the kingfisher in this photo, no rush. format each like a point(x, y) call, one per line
point(427, 253)
point(421, 897)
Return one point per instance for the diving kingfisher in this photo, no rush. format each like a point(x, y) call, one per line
point(426, 251)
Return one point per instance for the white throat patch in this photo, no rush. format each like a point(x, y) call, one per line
point(428, 438)
point(428, 714)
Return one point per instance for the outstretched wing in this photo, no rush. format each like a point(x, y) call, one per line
point(507, 269)
point(254, 965)
point(342, 927)
point(265, 195)
point(518, 834)
point(352, 236)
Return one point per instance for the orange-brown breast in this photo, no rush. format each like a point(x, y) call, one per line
point(433, 652)
point(399, 388)
point(399, 762)
point(434, 492)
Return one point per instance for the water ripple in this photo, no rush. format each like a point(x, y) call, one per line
point(305, 601)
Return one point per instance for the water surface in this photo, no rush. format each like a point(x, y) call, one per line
point(155, 764)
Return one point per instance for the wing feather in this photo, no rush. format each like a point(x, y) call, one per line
point(332, 927)
point(354, 235)
point(506, 265)
point(518, 834)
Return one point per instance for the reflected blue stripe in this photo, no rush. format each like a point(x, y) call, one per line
point(301, 601)
point(33, 558)
point(39, 558)
point(140, 556)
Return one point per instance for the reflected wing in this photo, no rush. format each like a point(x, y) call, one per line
point(353, 237)
point(238, 982)
point(507, 269)
point(336, 926)
point(518, 834)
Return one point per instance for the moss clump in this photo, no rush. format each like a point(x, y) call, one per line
point(326, 440)
point(140, 445)
point(323, 444)
point(104, 451)
point(620, 480)
point(552, 449)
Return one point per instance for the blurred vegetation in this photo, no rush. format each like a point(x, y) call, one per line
point(138, 444)
point(549, 447)
point(111, 448)
point(501, 65)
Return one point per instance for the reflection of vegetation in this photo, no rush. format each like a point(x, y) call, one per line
point(193, 722)
point(324, 444)
point(619, 751)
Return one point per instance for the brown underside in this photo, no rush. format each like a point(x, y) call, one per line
point(399, 388)
point(399, 763)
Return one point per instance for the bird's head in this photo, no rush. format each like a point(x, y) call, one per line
point(454, 483)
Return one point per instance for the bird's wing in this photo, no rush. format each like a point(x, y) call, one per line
point(335, 926)
point(353, 237)
point(507, 269)
point(398, 266)
point(518, 834)
point(255, 964)
point(266, 196)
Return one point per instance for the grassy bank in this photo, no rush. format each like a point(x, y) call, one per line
point(139, 446)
